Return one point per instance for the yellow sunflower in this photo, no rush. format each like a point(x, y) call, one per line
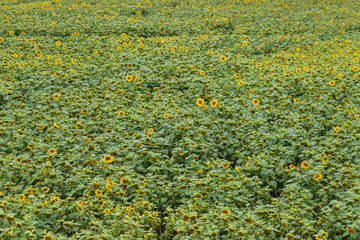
point(223, 58)
point(108, 159)
point(226, 165)
point(200, 102)
point(214, 103)
point(305, 165)
point(256, 101)
point(129, 78)
point(52, 151)
point(317, 177)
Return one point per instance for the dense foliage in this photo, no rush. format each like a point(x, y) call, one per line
point(179, 119)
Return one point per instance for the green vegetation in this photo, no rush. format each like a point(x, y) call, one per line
point(179, 119)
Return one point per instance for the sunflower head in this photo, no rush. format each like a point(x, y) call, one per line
point(225, 211)
point(214, 103)
point(256, 101)
point(223, 58)
point(305, 165)
point(200, 102)
point(129, 78)
point(98, 192)
point(226, 165)
point(52, 151)
point(108, 159)
point(317, 177)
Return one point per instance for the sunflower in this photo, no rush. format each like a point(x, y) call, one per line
point(317, 177)
point(245, 43)
point(205, 107)
point(202, 73)
point(214, 103)
point(41, 127)
point(340, 75)
point(241, 82)
point(166, 115)
point(325, 159)
point(292, 166)
point(200, 102)
point(98, 193)
point(78, 125)
point(52, 151)
point(15, 55)
point(305, 165)
point(22, 196)
point(332, 83)
point(1, 40)
point(108, 159)
point(151, 130)
point(18, 159)
point(222, 58)
point(225, 211)
point(177, 109)
point(46, 189)
point(77, 33)
point(129, 78)
point(108, 186)
point(58, 43)
point(57, 61)
point(337, 129)
point(256, 101)
point(84, 111)
point(21, 65)
point(30, 146)
point(226, 165)
point(123, 181)
point(121, 113)
point(57, 96)
point(39, 56)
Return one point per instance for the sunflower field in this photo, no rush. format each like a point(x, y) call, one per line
point(169, 119)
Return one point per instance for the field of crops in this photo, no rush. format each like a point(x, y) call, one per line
point(164, 119)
